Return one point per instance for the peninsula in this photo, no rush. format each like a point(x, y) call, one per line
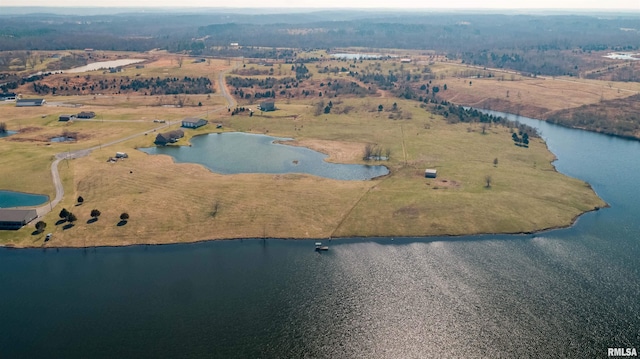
point(493, 176)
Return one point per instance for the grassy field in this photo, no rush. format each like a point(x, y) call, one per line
point(170, 203)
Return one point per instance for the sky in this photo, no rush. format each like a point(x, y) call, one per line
point(633, 5)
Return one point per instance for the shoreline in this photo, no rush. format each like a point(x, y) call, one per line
point(574, 220)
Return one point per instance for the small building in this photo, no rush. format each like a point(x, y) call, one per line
point(7, 96)
point(430, 173)
point(66, 117)
point(86, 114)
point(191, 122)
point(16, 218)
point(162, 139)
point(267, 106)
point(405, 61)
point(122, 155)
point(30, 102)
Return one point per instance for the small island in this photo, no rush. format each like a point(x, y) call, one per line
point(486, 174)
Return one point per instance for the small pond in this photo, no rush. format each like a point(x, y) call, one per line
point(236, 152)
point(10, 199)
point(62, 139)
point(7, 133)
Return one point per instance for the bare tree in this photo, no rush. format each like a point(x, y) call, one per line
point(487, 180)
point(180, 61)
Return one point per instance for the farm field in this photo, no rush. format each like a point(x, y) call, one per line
point(485, 183)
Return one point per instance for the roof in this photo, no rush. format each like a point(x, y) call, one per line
point(17, 215)
point(30, 100)
point(192, 120)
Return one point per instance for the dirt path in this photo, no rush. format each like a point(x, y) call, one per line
point(57, 182)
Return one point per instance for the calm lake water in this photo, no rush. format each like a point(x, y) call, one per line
point(103, 65)
point(569, 293)
point(236, 152)
point(10, 199)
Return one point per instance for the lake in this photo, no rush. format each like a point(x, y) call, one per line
point(10, 199)
point(568, 293)
point(357, 56)
point(237, 152)
point(103, 65)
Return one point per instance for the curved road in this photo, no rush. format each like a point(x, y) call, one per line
point(46, 208)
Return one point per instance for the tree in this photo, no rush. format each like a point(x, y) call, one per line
point(380, 108)
point(327, 109)
point(80, 200)
point(71, 217)
point(495, 162)
point(487, 181)
point(40, 226)
point(3, 127)
point(124, 216)
point(64, 214)
point(95, 213)
point(180, 61)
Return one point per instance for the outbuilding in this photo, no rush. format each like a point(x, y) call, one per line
point(16, 218)
point(191, 122)
point(86, 114)
point(7, 96)
point(29, 102)
point(66, 117)
point(122, 155)
point(267, 106)
point(430, 173)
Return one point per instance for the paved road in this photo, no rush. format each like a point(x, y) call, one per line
point(44, 209)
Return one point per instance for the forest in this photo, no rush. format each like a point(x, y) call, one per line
point(529, 43)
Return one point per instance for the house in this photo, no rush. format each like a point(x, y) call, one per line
point(86, 114)
point(7, 96)
point(191, 122)
point(430, 173)
point(29, 102)
point(168, 137)
point(122, 155)
point(66, 117)
point(16, 218)
point(267, 106)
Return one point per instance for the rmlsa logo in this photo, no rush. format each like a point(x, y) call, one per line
point(622, 352)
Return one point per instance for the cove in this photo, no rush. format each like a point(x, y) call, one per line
point(566, 293)
point(10, 199)
point(237, 152)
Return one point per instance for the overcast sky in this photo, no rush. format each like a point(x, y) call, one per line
point(395, 4)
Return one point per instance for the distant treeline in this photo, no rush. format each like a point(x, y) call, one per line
point(536, 44)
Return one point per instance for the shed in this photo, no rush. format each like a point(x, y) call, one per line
point(16, 218)
point(66, 117)
point(86, 114)
point(29, 102)
point(430, 173)
point(122, 155)
point(7, 96)
point(192, 122)
point(267, 106)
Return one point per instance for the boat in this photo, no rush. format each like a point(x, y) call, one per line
point(320, 247)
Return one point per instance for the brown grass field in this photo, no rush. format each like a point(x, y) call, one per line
point(171, 203)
